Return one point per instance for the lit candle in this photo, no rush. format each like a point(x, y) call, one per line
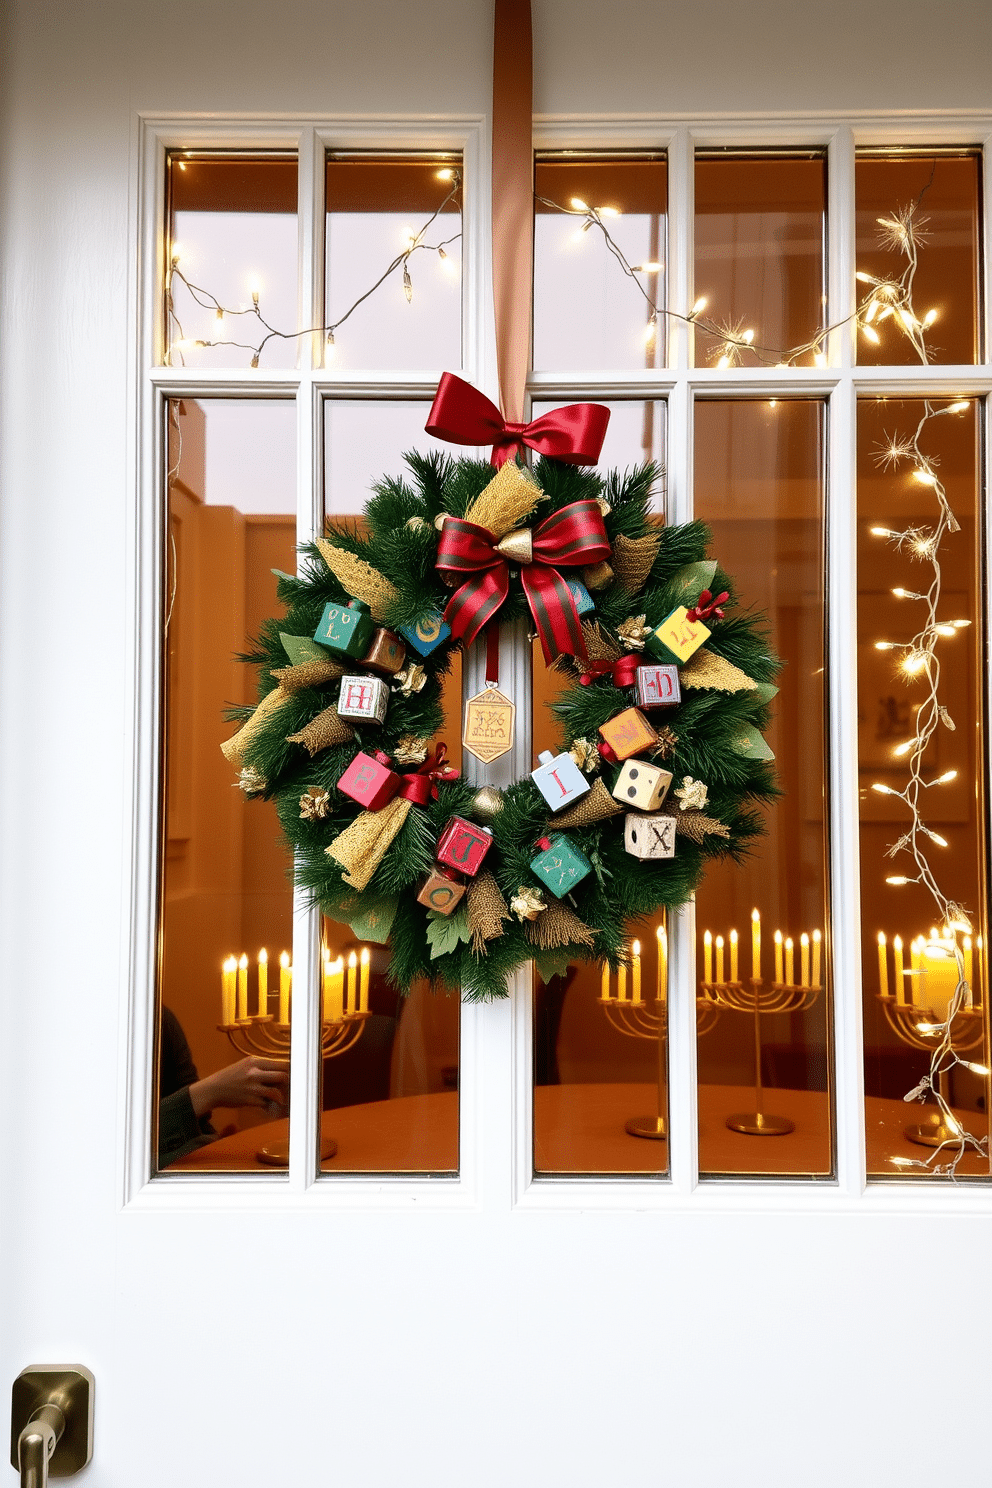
point(243, 989)
point(816, 957)
point(939, 978)
point(707, 957)
point(719, 959)
point(605, 990)
point(325, 985)
point(363, 991)
point(755, 943)
point(733, 955)
point(914, 961)
point(883, 965)
point(622, 982)
point(229, 974)
point(789, 963)
point(636, 970)
point(336, 986)
point(969, 965)
point(899, 974)
point(804, 959)
point(662, 934)
point(779, 964)
point(351, 1004)
point(285, 987)
point(263, 982)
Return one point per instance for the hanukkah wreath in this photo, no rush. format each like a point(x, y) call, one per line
point(666, 686)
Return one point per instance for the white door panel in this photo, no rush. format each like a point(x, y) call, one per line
point(482, 1332)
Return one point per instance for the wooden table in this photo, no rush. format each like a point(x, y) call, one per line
point(580, 1129)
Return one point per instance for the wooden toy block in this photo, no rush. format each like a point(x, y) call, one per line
point(583, 599)
point(386, 654)
point(346, 629)
point(676, 638)
point(463, 845)
point(560, 865)
point(368, 782)
point(427, 634)
point(657, 687)
point(629, 733)
point(642, 785)
point(363, 699)
point(649, 836)
point(559, 779)
point(441, 893)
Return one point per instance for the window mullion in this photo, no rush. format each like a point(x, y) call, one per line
point(845, 952)
point(841, 286)
point(679, 269)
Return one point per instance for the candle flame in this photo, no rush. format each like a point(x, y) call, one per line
point(263, 957)
point(284, 960)
point(352, 960)
point(636, 948)
point(366, 955)
point(243, 962)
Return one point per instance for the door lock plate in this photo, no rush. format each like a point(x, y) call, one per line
point(68, 1386)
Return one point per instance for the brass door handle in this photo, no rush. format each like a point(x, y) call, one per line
point(51, 1422)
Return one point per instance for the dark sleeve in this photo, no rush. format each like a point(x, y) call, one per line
point(176, 1067)
point(179, 1130)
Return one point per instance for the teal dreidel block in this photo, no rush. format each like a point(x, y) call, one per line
point(346, 629)
point(560, 865)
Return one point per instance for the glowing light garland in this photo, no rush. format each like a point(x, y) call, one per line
point(208, 301)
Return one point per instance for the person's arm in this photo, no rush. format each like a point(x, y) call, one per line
point(251, 1082)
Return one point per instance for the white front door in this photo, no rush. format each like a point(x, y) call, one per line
point(487, 1325)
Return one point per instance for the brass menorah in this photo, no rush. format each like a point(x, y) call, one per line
point(636, 1018)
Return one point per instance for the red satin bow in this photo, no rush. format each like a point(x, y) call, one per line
point(543, 843)
point(460, 414)
point(421, 786)
point(624, 671)
point(571, 537)
point(706, 605)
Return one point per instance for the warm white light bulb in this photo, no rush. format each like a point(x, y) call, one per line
point(897, 880)
point(747, 337)
point(947, 776)
point(723, 362)
point(870, 334)
point(883, 790)
point(699, 306)
point(961, 407)
point(819, 359)
point(609, 211)
point(930, 317)
point(445, 174)
point(578, 205)
point(925, 477)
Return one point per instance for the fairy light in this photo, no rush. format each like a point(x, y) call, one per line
point(903, 231)
point(414, 242)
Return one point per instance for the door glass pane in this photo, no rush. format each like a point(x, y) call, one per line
point(231, 235)
point(390, 1097)
point(910, 971)
point(759, 487)
point(600, 1059)
point(398, 217)
point(942, 190)
point(226, 894)
point(760, 244)
point(588, 313)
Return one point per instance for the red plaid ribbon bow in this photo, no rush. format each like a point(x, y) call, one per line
point(570, 538)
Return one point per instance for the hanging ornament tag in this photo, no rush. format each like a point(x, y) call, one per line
point(489, 718)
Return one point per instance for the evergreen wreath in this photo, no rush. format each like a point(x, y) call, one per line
point(364, 860)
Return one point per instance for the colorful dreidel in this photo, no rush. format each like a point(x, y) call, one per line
point(676, 638)
point(629, 733)
point(368, 782)
point(427, 634)
point(386, 654)
point(559, 779)
point(463, 845)
point(363, 698)
point(647, 837)
point(657, 687)
point(642, 785)
point(583, 599)
point(560, 865)
point(441, 892)
point(346, 629)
